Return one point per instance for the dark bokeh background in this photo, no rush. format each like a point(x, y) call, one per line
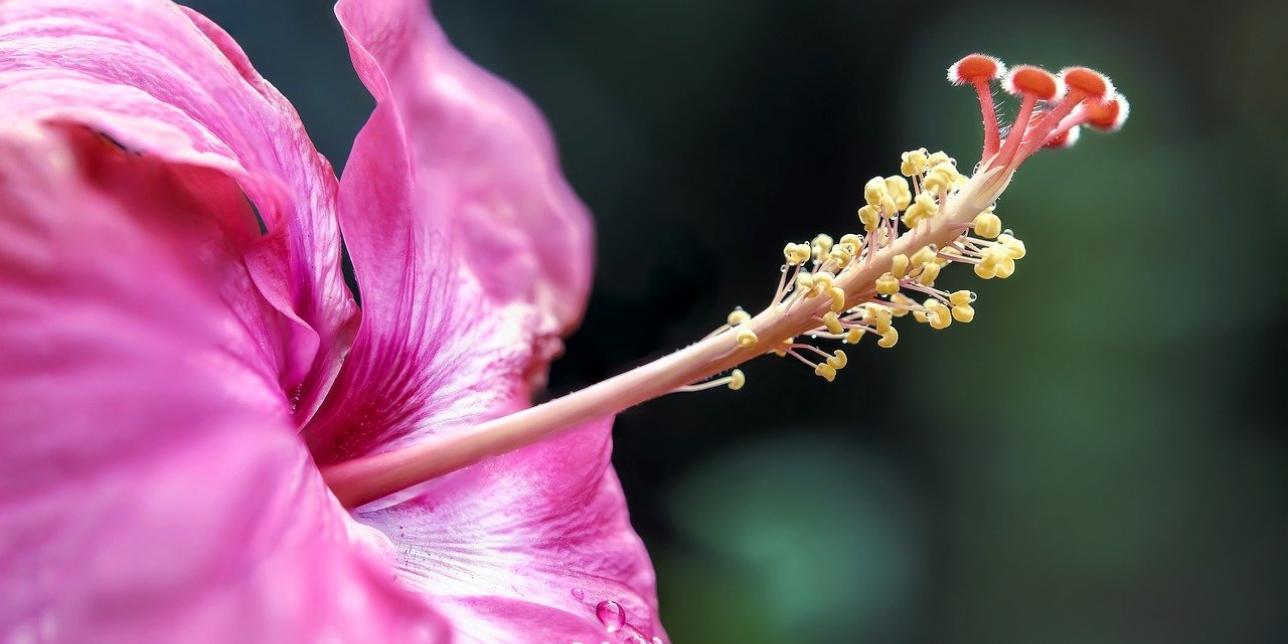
point(1100, 457)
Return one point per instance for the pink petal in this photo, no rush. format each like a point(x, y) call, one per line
point(165, 80)
point(472, 255)
point(528, 547)
point(152, 487)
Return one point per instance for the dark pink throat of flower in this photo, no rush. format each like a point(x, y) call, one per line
point(913, 226)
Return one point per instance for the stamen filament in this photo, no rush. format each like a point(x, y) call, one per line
point(734, 381)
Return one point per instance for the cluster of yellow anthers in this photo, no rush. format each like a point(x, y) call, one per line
point(1053, 108)
point(903, 201)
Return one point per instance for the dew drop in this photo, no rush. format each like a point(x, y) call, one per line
point(611, 615)
point(657, 640)
point(578, 594)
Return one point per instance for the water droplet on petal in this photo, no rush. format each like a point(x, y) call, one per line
point(611, 615)
point(657, 640)
point(578, 594)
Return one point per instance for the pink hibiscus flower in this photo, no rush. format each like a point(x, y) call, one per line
point(180, 352)
point(190, 398)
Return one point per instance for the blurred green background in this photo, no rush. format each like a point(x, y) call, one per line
point(1100, 457)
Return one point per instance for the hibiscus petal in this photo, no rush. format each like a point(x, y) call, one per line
point(162, 79)
point(531, 546)
point(152, 487)
point(472, 255)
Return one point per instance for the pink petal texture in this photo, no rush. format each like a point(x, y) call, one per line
point(527, 546)
point(164, 80)
point(152, 487)
point(472, 256)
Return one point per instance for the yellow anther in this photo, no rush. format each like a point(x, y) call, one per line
point(987, 225)
point(746, 337)
point(888, 284)
point(920, 316)
point(941, 177)
point(838, 360)
point(880, 317)
point(889, 338)
point(899, 191)
point(923, 256)
point(923, 207)
point(1014, 247)
point(843, 253)
point(853, 335)
point(939, 158)
point(823, 282)
point(822, 245)
point(929, 273)
point(869, 217)
point(963, 313)
point(838, 299)
point(995, 261)
point(796, 254)
point(833, 323)
point(737, 379)
point(874, 191)
point(899, 266)
point(853, 240)
point(961, 298)
point(888, 207)
point(1005, 268)
point(913, 162)
point(825, 371)
point(804, 281)
point(937, 314)
point(738, 316)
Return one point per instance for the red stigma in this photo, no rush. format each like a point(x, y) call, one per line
point(975, 68)
point(1088, 81)
point(1053, 108)
point(1033, 81)
point(1107, 116)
